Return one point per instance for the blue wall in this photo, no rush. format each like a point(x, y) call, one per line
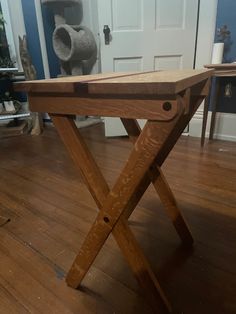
point(33, 41)
point(226, 15)
point(49, 26)
point(32, 34)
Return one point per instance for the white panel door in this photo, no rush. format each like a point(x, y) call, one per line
point(146, 35)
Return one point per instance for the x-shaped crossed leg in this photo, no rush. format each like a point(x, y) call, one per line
point(162, 188)
point(151, 147)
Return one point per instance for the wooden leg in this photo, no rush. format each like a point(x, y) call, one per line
point(162, 188)
point(168, 200)
point(214, 108)
point(114, 204)
point(204, 121)
point(141, 268)
point(195, 101)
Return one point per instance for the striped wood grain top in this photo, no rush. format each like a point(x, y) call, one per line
point(145, 83)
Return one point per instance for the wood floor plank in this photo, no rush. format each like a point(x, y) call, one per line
point(51, 211)
point(9, 304)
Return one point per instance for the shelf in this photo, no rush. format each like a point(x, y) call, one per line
point(9, 70)
point(14, 116)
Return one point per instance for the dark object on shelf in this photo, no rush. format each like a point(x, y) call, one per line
point(14, 128)
point(6, 62)
point(5, 82)
point(17, 107)
point(223, 33)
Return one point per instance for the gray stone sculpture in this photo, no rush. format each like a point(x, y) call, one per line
point(74, 45)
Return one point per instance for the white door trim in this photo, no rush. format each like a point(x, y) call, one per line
point(17, 25)
point(205, 39)
point(206, 31)
point(42, 40)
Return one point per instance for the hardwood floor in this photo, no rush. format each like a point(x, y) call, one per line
point(51, 212)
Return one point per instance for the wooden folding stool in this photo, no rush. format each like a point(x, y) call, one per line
point(168, 100)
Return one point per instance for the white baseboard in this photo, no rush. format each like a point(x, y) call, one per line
point(225, 127)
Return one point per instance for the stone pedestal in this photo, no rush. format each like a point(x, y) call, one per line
point(74, 45)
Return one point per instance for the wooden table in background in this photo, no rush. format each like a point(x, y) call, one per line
point(168, 100)
point(220, 70)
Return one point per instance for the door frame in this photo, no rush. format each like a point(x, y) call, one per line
point(204, 43)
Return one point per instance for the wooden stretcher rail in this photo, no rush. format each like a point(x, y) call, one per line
point(153, 109)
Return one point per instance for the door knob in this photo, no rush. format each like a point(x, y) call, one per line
point(106, 31)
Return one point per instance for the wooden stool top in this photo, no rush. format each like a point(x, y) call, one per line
point(113, 94)
point(139, 83)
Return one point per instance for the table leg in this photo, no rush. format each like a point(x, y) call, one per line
point(214, 108)
point(117, 201)
point(204, 121)
point(141, 268)
point(153, 144)
point(163, 189)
